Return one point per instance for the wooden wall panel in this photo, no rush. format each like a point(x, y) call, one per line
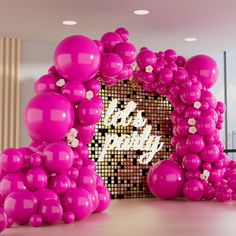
point(9, 92)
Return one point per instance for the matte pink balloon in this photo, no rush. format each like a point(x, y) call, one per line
point(94, 86)
point(104, 199)
point(112, 64)
point(205, 126)
point(79, 202)
point(191, 161)
point(189, 95)
point(193, 190)
point(50, 211)
point(68, 217)
point(74, 91)
point(87, 179)
point(60, 184)
point(195, 143)
point(3, 219)
point(36, 178)
point(123, 32)
point(89, 112)
point(146, 58)
point(12, 183)
point(36, 220)
point(20, 206)
point(49, 117)
point(77, 58)
point(58, 157)
point(85, 132)
point(45, 194)
point(46, 84)
point(11, 160)
point(205, 68)
point(165, 179)
point(210, 153)
point(170, 55)
point(109, 40)
point(126, 51)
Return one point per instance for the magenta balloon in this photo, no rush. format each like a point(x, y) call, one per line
point(148, 77)
point(58, 157)
point(181, 148)
point(46, 84)
point(232, 181)
point(146, 58)
point(85, 133)
point(78, 201)
point(50, 211)
point(207, 96)
point(191, 161)
point(170, 55)
point(209, 193)
point(99, 45)
point(77, 58)
point(45, 194)
point(94, 86)
point(180, 75)
point(83, 151)
point(205, 68)
point(11, 160)
point(112, 64)
point(3, 220)
point(206, 166)
point(73, 173)
point(49, 117)
point(192, 112)
point(215, 175)
point(20, 206)
point(74, 91)
point(90, 164)
point(165, 179)
point(220, 106)
point(109, 40)
point(78, 163)
point(60, 184)
point(36, 178)
point(189, 95)
point(205, 126)
point(126, 51)
point(34, 160)
point(210, 153)
point(165, 76)
point(52, 71)
point(195, 143)
point(182, 128)
point(104, 199)
point(124, 73)
point(174, 89)
point(193, 190)
point(68, 217)
point(12, 183)
point(180, 61)
point(160, 54)
point(36, 220)
point(172, 66)
point(124, 33)
point(109, 81)
point(95, 201)
point(87, 179)
point(159, 65)
point(89, 112)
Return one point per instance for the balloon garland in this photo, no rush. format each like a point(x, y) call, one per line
point(54, 174)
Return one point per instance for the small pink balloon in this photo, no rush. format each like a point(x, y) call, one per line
point(74, 91)
point(146, 58)
point(99, 45)
point(180, 75)
point(109, 81)
point(104, 199)
point(58, 157)
point(50, 211)
point(126, 51)
point(195, 143)
point(3, 219)
point(68, 217)
point(205, 126)
point(159, 65)
point(220, 106)
point(95, 200)
point(189, 95)
point(207, 96)
point(170, 55)
point(78, 163)
point(11, 160)
point(180, 61)
point(60, 184)
point(172, 66)
point(206, 166)
point(46, 84)
point(193, 190)
point(36, 178)
point(36, 220)
point(210, 153)
point(20, 206)
point(123, 32)
point(209, 193)
point(10, 222)
point(34, 160)
point(73, 173)
point(85, 132)
point(45, 194)
point(109, 40)
point(88, 163)
point(191, 161)
point(93, 85)
point(160, 54)
point(232, 181)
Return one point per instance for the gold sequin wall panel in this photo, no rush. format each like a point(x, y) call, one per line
point(124, 176)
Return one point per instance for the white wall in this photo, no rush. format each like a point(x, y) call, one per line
point(37, 57)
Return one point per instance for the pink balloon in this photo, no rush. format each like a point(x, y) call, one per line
point(52, 71)
point(34, 144)
point(207, 96)
point(192, 112)
point(11, 160)
point(112, 64)
point(20, 206)
point(232, 181)
point(49, 117)
point(191, 161)
point(34, 160)
point(180, 61)
point(165, 76)
point(220, 106)
point(94, 86)
point(36, 178)
point(210, 153)
point(126, 51)
point(205, 126)
point(79, 202)
point(85, 132)
point(170, 55)
point(77, 58)
point(46, 84)
point(124, 33)
point(78, 163)
point(205, 68)
point(193, 190)
point(99, 45)
point(74, 91)
point(50, 211)
point(165, 179)
point(189, 95)
point(36, 220)
point(104, 199)
point(181, 148)
point(3, 220)
point(180, 75)
point(95, 201)
point(109, 40)
point(195, 143)
point(89, 112)
point(215, 175)
point(60, 184)
point(148, 77)
point(159, 65)
point(109, 81)
point(211, 113)
point(209, 193)
point(58, 157)
point(146, 58)
point(68, 217)
point(45, 194)
point(90, 164)
point(172, 66)
point(73, 173)
point(124, 73)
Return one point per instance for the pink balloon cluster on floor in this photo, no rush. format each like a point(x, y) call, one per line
point(197, 119)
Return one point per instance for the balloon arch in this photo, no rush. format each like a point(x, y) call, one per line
point(54, 172)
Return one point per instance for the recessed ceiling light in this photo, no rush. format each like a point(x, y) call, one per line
point(69, 22)
point(190, 39)
point(141, 12)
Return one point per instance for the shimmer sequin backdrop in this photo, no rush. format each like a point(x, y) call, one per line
point(124, 176)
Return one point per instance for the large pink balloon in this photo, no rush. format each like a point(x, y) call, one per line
point(165, 179)
point(49, 117)
point(205, 68)
point(77, 58)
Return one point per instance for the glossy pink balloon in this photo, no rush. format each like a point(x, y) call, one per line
point(46, 84)
point(146, 58)
point(181, 148)
point(165, 179)
point(195, 143)
point(126, 51)
point(85, 132)
point(87, 179)
point(191, 161)
point(104, 199)
point(210, 153)
point(45, 194)
point(192, 112)
point(166, 76)
point(36, 220)
point(193, 190)
point(36, 178)
point(94, 86)
point(77, 58)
point(34, 160)
point(95, 201)
point(124, 33)
point(60, 184)
point(49, 117)
point(180, 61)
point(68, 217)
point(205, 126)
point(73, 173)
point(58, 157)
point(20, 206)
point(79, 202)
point(74, 91)
point(170, 55)
point(89, 164)
point(99, 45)
point(3, 220)
point(109, 40)
point(205, 68)
point(209, 98)
point(189, 95)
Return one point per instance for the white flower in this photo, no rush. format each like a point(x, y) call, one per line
point(89, 95)
point(134, 66)
point(205, 175)
point(60, 83)
point(197, 105)
point(72, 134)
point(149, 69)
point(74, 143)
point(192, 130)
point(191, 121)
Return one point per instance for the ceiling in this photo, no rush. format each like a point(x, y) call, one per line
point(213, 22)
